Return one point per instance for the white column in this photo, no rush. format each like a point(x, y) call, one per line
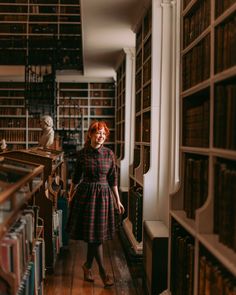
point(129, 94)
point(165, 114)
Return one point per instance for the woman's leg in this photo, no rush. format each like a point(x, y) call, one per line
point(90, 254)
point(107, 281)
point(98, 252)
point(88, 276)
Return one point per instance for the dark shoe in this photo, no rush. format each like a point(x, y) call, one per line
point(107, 281)
point(88, 276)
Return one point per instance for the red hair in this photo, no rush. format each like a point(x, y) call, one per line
point(93, 128)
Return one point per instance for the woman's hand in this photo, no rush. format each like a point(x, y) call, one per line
point(70, 196)
point(120, 208)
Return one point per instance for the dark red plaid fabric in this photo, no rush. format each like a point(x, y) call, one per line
point(92, 212)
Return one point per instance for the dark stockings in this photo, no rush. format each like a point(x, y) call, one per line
point(95, 250)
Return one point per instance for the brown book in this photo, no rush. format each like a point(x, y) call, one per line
point(217, 281)
point(229, 115)
point(190, 269)
point(208, 278)
point(202, 275)
point(189, 164)
point(226, 209)
point(219, 117)
point(219, 49)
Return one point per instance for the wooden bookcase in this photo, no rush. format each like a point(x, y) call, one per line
point(202, 211)
point(120, 110)
point(16, 126)
point(21, 231)
point(50, 29)
point(47, 200)
point(140, 162)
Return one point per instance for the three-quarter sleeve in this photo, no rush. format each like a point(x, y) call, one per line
point(112, 174)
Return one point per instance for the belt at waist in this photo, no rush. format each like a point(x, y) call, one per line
point(95, 182)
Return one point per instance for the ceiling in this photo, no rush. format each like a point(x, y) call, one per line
point(107, 28)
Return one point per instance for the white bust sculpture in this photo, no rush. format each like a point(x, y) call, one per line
point(3, 145)
point(47, 138)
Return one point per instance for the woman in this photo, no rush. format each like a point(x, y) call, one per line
point(92, 209)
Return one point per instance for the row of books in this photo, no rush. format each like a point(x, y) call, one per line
point(196, 115)
point(136, 211)
point(195, 183)
point(146, 127)
point(213, 278)
point(182, 261)
point(196, 22)
point(225, 116)
point(22, 254)
point(102, 93)
point(147, 71)
point(18, 111)
point(120, 116)
point(19, 123)
point(224, 202)
point(147, 48)
point(85, 93)
point(120, 100)
point(74, 100)
point(102, 111)
point(11, 101)
point(12, 123)
point(72, 110)
point(225, 45)
point(198, 59)
point(20, 135)
point(221, 6)
point(147, 96)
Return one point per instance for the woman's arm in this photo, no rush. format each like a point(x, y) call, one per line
point(71, 191)
point(119, 205)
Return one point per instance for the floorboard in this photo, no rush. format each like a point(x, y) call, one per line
point(67, 278)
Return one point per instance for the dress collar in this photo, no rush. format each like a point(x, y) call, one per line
point(94, 150)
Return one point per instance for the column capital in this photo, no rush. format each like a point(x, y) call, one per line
point(129, 51)
point(166, 3)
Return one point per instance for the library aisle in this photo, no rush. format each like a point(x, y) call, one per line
point(67, 278)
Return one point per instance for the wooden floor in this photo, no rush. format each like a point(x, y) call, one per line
point(67, 278)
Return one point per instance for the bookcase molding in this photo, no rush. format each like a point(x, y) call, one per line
point(124, 161)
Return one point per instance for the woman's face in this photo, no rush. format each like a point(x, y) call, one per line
point(98, 138)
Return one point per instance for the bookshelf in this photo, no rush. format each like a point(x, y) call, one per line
point(142, 118)
point(46, 28)
point(47, 201)
point(120, 110)
point(17, 127)
point(21, 231)
point(202, 211)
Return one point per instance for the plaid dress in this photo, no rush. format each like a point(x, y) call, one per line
point(92, 211)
